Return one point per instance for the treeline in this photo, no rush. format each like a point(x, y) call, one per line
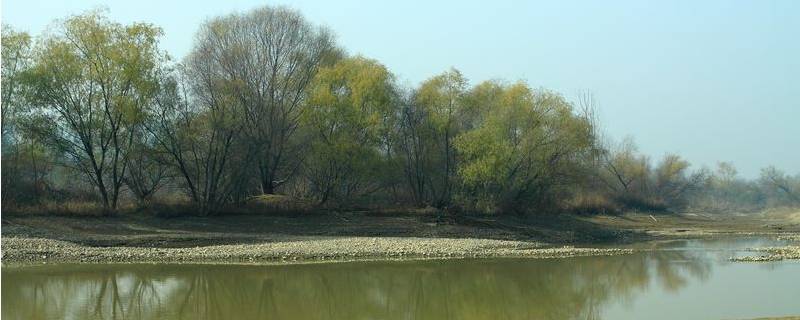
point(268, 103)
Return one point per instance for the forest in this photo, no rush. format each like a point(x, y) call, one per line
point(267, 113)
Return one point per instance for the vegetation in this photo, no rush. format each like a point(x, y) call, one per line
point(267, 103)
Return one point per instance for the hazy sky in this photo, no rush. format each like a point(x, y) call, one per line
point(710, 80)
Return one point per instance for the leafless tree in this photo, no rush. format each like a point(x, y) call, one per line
point(146, 171)
point(265, 59)
point(776, 180)
point(196, 126)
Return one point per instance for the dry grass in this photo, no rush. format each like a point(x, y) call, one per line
point(266, 204)
point(593, 204)
point(271, 204)
point(65, 208)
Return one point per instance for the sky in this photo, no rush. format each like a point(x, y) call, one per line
point(709, 80)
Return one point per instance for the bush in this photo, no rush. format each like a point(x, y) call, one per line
point(592, 204)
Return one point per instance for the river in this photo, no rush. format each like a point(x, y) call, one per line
point(686, 279)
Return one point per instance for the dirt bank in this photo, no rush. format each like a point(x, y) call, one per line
point(354, 235)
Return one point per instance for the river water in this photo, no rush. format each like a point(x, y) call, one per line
point(690, 279)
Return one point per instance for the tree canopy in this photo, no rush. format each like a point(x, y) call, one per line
point(267, 102)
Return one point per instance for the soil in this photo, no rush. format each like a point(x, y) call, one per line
point(356, 235)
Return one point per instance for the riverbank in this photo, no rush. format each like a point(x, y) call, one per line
point(33, 250)
point(357, 236)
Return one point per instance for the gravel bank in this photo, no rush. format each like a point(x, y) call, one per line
point(38, 250)
point(789, 252)
point(772, 254)
point(790, 237)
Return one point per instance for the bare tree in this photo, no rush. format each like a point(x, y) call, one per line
point(196, 126)
point(146, 171)
point(266, 59)
point(776, 180)
point(672, 180)
point(626, 171)
point(413, 144)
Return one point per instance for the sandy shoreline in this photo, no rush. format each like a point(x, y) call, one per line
point(38, 250)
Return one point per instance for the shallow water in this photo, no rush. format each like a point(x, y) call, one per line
point(680, 280)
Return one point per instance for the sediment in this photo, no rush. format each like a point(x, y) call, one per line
point(42, 250)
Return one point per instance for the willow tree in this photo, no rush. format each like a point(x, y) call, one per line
point(350, 112)
point(672, 180)
point(16, 58)
point(524, 152)
point(265, 59)
point(90, 79)
point(625, 171)
point(441, 101)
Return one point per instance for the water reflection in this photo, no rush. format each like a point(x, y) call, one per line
point(576, 288)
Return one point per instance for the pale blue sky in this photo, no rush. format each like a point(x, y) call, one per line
point(710, 80)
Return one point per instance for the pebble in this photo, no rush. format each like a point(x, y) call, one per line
point(16, 249)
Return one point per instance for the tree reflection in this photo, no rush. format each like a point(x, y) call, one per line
point(577, 288)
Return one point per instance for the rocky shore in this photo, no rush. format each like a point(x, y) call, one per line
point(39, 250)
point(790, 252)
point(771, 254)
point(363, 236)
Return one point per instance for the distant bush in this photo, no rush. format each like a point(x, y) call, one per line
point(592, 204)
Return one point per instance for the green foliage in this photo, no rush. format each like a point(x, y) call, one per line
point(631, 179)
point(349, 114)
point(90, 81)
point(433, 121)
point(266, 102)
point(524, 151)
point(673, 182)
point(16, 55)
point(442, 97)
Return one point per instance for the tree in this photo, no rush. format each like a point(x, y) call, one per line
point(419, 139)
point(726, 192)
point(350, 112)
point(726, 173)
point(90, 80)
point(195, 123)
point(265, 60)
point(441, 101)
point(672, 180)
point(626, 172)
point(781, 186)
point(522, 155)
point(16, 57)
point(414, 143)
point(147, 169)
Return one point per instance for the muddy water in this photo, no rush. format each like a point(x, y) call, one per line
point(677, 280)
